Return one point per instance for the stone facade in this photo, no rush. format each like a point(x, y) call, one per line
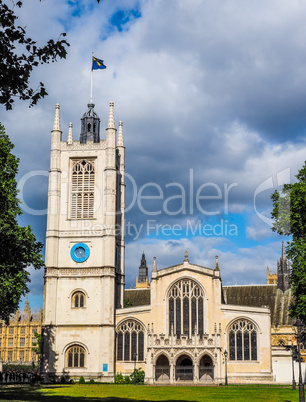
point(17, 338)
point(84, 275)
point(182, 326)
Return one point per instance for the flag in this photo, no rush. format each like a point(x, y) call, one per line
point(97, 64)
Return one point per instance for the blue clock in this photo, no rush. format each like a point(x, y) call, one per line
point(80, 252)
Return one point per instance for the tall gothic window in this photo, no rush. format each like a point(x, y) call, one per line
point(75, 356)
point(242, 340)
point(78, 299)
point(186, 308)
point(130, 341)
point(82, 191)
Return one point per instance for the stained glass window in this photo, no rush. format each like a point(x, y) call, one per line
point(242, 341)
point(75, 356)
point(130, 341)
point(78, 300)
point(127, 337)
point(186, 308)
point(140, 346)
point(120, 346)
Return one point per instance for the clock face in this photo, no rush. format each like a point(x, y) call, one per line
point(80, 252)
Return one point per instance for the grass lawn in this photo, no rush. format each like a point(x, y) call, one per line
point(121, 393)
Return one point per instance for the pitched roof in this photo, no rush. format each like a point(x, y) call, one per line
point(139, 297)
point(259, 296)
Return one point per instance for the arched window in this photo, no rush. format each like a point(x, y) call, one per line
point(242, 340)
point(78, 300)
point(186, 308)
point(130, 341)
point(82, 191)
point(75, 356)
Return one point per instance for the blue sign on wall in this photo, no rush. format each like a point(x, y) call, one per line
point(105, 367)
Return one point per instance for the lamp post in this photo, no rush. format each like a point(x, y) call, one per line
point(134, 357)
point(225, 357)
point(294, 358)
point(299, 326)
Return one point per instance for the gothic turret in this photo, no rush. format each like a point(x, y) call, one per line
point(283, 272)
point(90, 125)
point(143, 280)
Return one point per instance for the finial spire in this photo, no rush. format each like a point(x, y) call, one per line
point(57, 124)
point(283, 249)
point(111, 119)
point(186, 256)
point(70, 136)
point(217, 264)
point(120, 135)
point(154, 269)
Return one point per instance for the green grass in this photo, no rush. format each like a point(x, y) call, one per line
point(122, 393)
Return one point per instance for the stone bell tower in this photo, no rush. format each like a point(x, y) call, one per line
point(84, 275)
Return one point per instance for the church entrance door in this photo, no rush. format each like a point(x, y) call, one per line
point(184, 369)
point(206, 369)
point(162, 369)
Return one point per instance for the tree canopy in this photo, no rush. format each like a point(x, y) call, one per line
point(18, 246)
point(289, 214)
point(19, 55)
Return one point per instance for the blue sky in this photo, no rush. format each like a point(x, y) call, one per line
point(212, 96)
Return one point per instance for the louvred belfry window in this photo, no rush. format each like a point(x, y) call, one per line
point(82, 191)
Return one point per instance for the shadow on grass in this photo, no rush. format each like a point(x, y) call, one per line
point(27, 393)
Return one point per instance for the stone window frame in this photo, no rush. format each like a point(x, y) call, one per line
point(130, 339)
point(244, 331)
point(82, 188)
point(75, 356)
point(191, 307)
point(76, 297)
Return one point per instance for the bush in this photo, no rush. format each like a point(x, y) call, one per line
point(91, 381)
point(120, 379)
point(82, 380)
point(139, 376)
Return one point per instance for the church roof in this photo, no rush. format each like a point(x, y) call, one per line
point(262, 296)
point(139, 297)
point(239, 295)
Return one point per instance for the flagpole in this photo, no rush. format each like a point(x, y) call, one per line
point(91, 80)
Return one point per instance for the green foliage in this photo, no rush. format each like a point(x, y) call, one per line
point(128, 303)
point(37, 346)
point(21, 368)
point(139, 376)
point(120, 379)
point(289, 214)
point(18, 246)
point(82, 380)
point(19, 55)
point(91, 381)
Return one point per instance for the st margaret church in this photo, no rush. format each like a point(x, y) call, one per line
point(181, 324)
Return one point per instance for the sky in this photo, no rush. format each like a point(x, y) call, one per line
point(212, 95)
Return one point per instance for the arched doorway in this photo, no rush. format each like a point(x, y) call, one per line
point(184, 369)
point(162, 369)
point(206, 369)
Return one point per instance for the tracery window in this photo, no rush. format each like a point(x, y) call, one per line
point(130, 341)
point(75, 356)
point(186, 308)
point(78, 300)
point(82, 191)
point(242, 340)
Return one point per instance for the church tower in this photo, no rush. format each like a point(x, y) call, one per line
point(143, 280)
point(84, 275)
point(283, 272)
